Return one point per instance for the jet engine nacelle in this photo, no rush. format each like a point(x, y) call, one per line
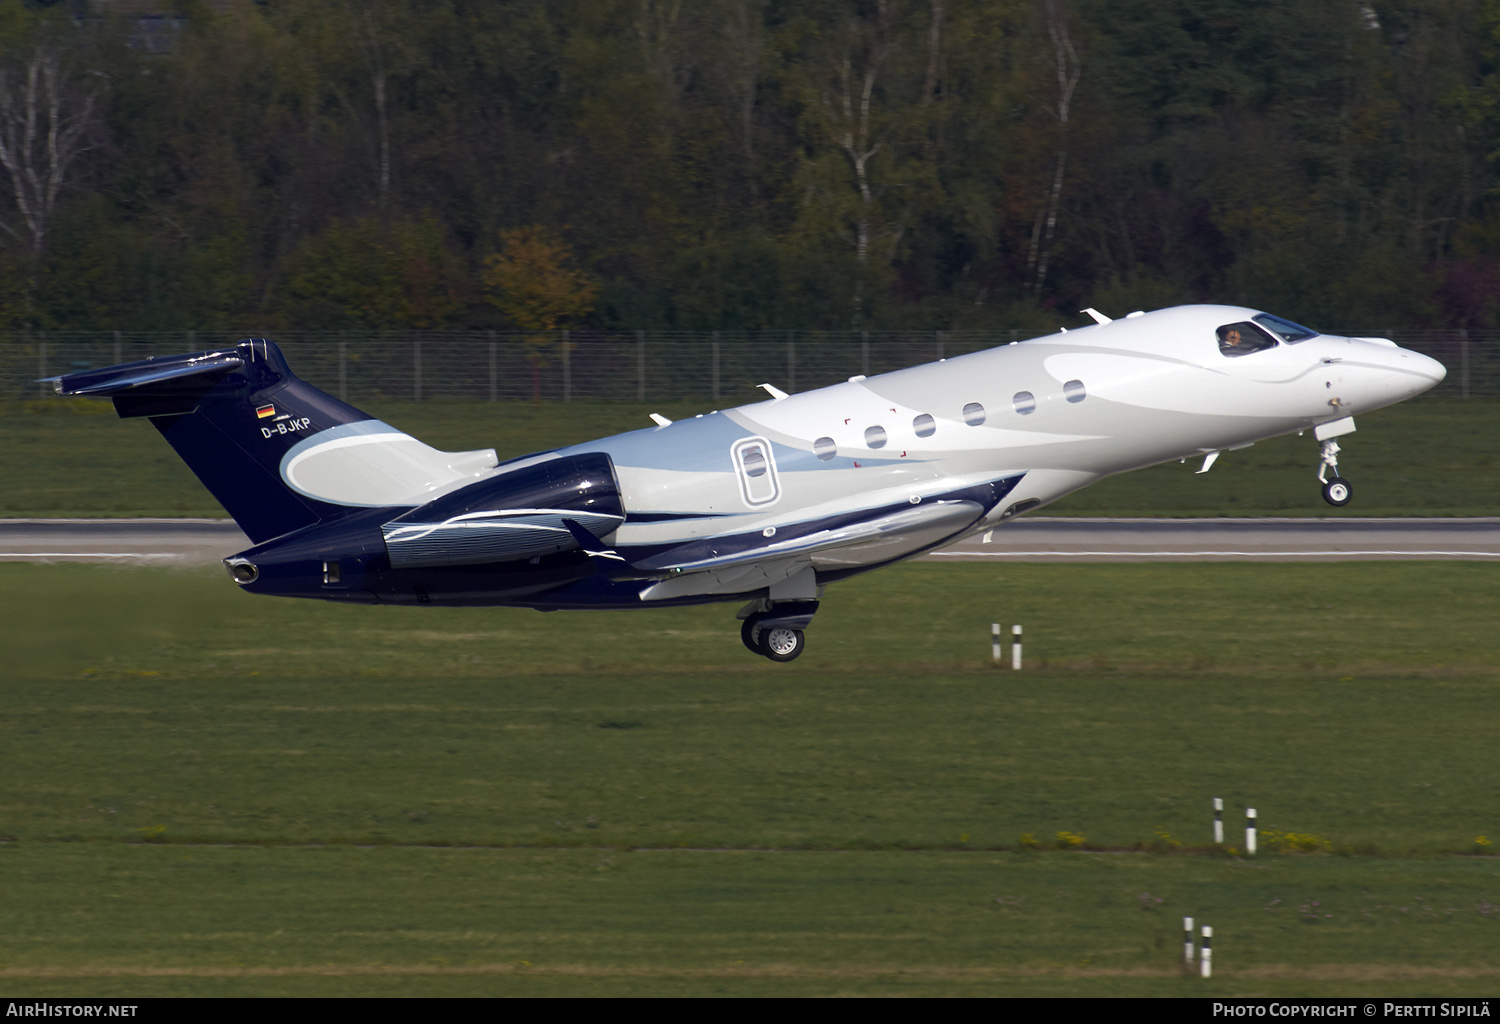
point(511, 515)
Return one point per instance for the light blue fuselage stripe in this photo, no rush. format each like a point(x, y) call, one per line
point(702, 445)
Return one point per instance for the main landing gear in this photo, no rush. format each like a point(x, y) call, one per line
point(775, 642)
point(1336, 491)
point(776, 632)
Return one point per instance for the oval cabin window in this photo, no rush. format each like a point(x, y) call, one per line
point(875, 437)
point(824, 448)
point(753, 458)
point(1074, 391)
point(924, 425)
point(755, 465)
point(973, 414)
point(1025, 402)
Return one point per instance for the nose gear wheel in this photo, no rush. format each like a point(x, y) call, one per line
point(1336, 491)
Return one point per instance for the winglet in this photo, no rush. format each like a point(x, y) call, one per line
point(610, 562)
point(1099, 318)
point(593, 545)
point(774, 391)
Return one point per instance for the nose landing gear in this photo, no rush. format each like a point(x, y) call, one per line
point(1336, 491)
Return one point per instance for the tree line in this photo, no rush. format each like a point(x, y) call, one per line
point(745, 164)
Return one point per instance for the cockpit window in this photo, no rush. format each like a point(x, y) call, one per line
point(1284, 329)
point(1243, 338)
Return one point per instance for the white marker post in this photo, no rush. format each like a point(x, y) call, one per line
point(1206, 961)
point(1187, 940)
point(1250, 831)
point(995, 642)
point(1218, 821)
point(1015, 648)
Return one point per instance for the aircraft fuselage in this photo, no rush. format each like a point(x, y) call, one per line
point(768, 502)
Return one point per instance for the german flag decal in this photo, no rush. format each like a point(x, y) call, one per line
point(264, 411)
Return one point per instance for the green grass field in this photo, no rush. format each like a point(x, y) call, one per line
point(210, 793)
point(75, 458)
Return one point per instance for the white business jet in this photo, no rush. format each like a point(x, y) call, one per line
point(765, 504)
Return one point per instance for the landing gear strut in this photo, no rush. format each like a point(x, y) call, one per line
point(1336, 491)
point(776, 632)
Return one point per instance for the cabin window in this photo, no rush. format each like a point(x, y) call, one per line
point(875, 437)
point(824, 448)
point(753, 458)
point(924, 425)
point(1025, 402)
point(1243, 338)
point(973, 414)
point(756, 468)
point(1074, 391)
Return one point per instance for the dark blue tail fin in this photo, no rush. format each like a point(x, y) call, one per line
point(277, 453)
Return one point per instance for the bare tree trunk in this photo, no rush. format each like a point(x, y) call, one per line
point(42, 131)
point(932, 141)
point(369, 44)
point(383, 176)
point(656, 25)
point(1051, 224)
point(1068, 71)
point(934, 38)
point(854, 138)
point(747, 45)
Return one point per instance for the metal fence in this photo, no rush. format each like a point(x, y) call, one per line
point(563, 366)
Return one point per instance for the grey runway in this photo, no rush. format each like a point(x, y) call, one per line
point(130, 541)
point(1057, 539)
point(1033, 539)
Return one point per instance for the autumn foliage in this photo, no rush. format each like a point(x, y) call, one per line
point(533, 282)
point(745, 165)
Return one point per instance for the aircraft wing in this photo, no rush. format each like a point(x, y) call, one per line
point(924, 523)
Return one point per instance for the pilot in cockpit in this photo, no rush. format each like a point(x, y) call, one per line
point(1241, 339)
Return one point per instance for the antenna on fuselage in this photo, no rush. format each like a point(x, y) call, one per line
point(1099, 318)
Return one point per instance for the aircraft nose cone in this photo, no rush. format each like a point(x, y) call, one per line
point(1415, 373)
point(1423, 366)
point(1392, 374)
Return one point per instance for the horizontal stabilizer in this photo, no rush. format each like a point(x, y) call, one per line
point(115, 379)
